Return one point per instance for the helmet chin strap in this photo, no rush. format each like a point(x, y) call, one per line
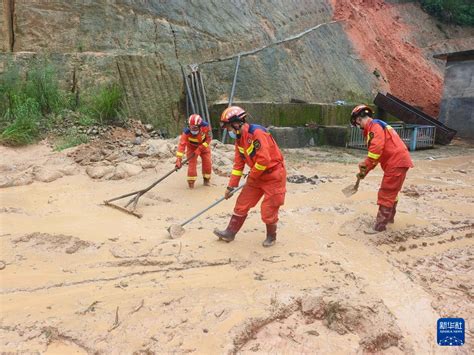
point(237, 131)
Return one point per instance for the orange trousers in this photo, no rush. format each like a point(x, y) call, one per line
point(392, 183)
point(206, 164)
point(271, 185)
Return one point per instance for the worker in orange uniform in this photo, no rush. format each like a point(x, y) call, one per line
point(195, 139)
point(255, 147)
point(384, 146)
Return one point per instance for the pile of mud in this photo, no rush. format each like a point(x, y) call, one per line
point(307, 321)
point(117, 155)
point(33, 163)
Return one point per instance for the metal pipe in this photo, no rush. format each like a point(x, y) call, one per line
point(187, 106)
point(232, 91)
point(198, 95)
point(193, 91)
point(188, 91)
point(205, 100)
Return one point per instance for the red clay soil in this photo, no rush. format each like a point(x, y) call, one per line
point(381, 39)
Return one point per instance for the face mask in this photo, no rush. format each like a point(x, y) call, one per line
point(232, 135)
point(357, 124)
point(194, 132)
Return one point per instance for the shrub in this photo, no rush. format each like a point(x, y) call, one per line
point(71, 139)
point(105, 105)
point(10, 86)
point(86, 120)
point(460, 12)
point(41, 84)
point(33, 103)
point(29, 104)
point(24, 129)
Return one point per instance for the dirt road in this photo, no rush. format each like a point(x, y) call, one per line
point(79, 277)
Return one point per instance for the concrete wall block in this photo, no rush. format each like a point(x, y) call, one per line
point(299, 137)
point(457, 105)
point(289, 114)
point(458, 114)
point(458, 80)
point(336, 135)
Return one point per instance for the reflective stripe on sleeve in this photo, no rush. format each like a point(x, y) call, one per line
point(260, 167)
point(205, 144)
point(237, 172)
point(179, 154)
point(373, 155)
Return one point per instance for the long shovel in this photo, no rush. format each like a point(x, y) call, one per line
point(137, 194)
point(351, 189)
point(177, 230)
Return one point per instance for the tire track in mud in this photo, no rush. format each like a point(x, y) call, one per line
point(199, 264)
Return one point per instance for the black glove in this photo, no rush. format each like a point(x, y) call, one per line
point(229, 191)
point(362, 171)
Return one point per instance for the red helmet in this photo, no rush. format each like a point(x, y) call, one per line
point(195, 120)
point(233, 114)
point(360, 110)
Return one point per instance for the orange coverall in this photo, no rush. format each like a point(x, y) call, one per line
point(267, 177)
point(386, 147)
point(189, 143)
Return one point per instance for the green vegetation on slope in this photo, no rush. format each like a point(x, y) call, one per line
point(104, 105)
point(460, 12)
point(32, 104)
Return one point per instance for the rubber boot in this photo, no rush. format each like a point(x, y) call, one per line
point(271, 235)
point(191, 184)
point(394, 212)
point(382, 218)
point(207, 182)
point(234, 226)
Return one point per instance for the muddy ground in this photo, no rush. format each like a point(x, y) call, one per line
point(79, 277)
